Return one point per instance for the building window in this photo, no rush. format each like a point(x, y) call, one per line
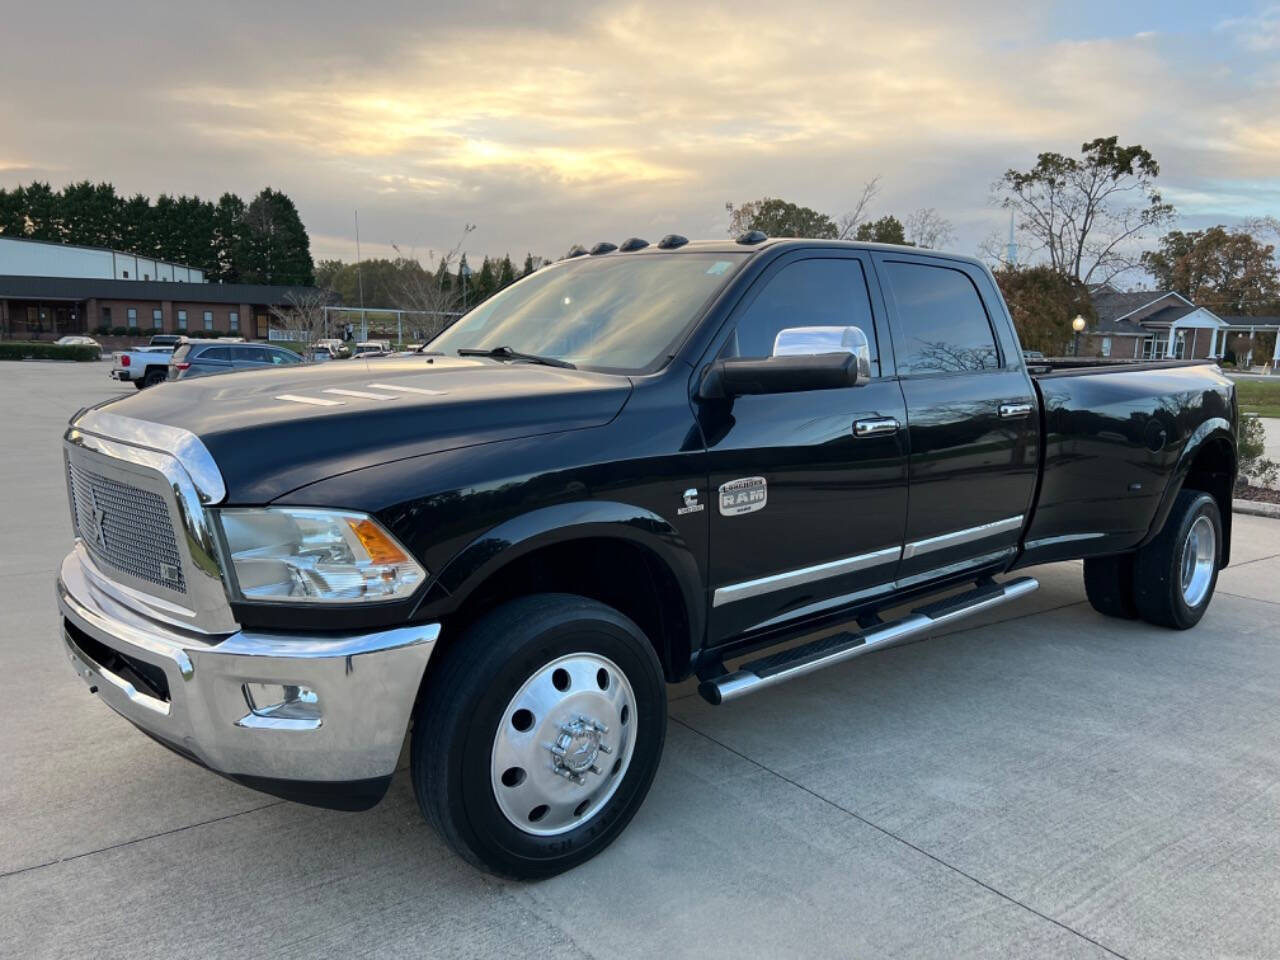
point(182, 319)
point(157, 318)
point(133, 318)
point(106, 316)
point(126, 274)
point(1106, 346)
point(208, 319)
point(233, 319)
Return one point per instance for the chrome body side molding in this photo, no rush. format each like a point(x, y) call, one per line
point(795, 578)
point(960, 537)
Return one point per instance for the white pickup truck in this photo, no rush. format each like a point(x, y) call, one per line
point(147, 365)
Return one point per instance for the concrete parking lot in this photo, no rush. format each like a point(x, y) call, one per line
point(1040, 783)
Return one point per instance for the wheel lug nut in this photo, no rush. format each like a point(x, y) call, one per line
point(605, 748)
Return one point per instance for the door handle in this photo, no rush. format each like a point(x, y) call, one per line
point(1014, 411)
point(876, 427)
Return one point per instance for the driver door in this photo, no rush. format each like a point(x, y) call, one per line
point(808, 490)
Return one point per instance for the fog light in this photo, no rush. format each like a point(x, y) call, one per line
point(280, 706)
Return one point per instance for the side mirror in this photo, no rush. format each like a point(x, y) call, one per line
point(804, 358)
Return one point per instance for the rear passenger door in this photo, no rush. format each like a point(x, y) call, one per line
point(972, 419)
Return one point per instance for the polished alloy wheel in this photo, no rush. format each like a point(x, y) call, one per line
point(563, 744)
point(1198, 557)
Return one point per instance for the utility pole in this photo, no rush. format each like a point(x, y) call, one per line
point(364, 326)
point(1011, 252)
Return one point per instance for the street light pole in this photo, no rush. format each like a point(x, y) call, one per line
point(1078, 325)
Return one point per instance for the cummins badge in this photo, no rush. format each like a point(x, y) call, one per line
point(746, 495)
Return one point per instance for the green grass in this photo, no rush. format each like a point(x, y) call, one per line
point(1259, 396)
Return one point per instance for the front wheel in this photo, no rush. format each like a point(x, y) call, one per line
point(538, 734)
point(1175, 574)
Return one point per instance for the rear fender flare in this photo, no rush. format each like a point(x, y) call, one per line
point(1213, 429)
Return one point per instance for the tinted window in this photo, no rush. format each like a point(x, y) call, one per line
point(941, 321)
point(280, 356)
point(248, 355)
point(807, 293)
point(216, 353)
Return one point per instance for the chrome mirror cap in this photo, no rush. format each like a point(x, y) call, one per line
point(799, 341)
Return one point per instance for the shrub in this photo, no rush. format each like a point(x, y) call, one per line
point(119, 331)
point(102, 330)
point(1250, 446)
point(20, 350)
point(155, 330)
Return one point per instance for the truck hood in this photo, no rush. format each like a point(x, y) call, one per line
point(271, 431)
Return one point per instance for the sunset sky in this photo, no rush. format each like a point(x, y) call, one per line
point(547, 124)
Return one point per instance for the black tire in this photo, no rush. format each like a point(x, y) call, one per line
point(1108, 583)
point(1158, 592)
point(156, 376)
point(138, 384)
point(466, 697)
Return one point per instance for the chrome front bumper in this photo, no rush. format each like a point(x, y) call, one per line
point(335, 737)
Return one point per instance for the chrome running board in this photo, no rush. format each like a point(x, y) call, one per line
point(840, 647)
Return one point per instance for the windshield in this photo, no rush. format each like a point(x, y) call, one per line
point(617, 313)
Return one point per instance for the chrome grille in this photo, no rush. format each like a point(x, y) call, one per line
point(125, 527)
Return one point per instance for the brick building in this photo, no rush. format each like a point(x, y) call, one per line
point(48, 290)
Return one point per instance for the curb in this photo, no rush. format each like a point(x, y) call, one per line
point(1256, 508)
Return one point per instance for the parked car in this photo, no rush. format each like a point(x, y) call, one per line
point(200, 358)
point(508, 547)
point(336, 348)
point(73, 340)
point(372, 348)
point(142, 366)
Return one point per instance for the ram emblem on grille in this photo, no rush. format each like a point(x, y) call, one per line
point(97, 528)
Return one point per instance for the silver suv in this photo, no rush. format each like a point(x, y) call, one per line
point(198, 358)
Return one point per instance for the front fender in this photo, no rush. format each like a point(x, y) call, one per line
point(496, 548)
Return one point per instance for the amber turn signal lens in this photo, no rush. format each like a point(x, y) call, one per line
point(378, 545)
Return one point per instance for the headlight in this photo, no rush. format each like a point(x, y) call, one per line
point(300, 555)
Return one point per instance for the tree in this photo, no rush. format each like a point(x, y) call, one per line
point(847, 224)
point(1043, 302)
point(303, 312)
point(277, 249)
point(430, 290)
point(778, 218)
point(506, 272)
point(929, 229)
point(1228, 271)
point(229, 234)
point(888, 229)
point(529, 266)
point(1086, 214)
point(327, 271)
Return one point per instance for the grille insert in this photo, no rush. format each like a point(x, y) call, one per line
point(125, 527)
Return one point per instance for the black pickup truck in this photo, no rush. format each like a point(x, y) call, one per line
point(632, 467)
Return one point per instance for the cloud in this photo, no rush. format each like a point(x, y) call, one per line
point(1258, 34)
point(548, 127)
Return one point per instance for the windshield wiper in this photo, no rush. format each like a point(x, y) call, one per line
point(506, 353)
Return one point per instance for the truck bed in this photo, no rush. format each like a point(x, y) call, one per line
point(1114, 437)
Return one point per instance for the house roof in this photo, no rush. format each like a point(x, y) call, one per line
point(1167, 315)
point(81, 288)
point(1111, 305)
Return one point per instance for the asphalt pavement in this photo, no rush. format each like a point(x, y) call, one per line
point(1039, 783)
